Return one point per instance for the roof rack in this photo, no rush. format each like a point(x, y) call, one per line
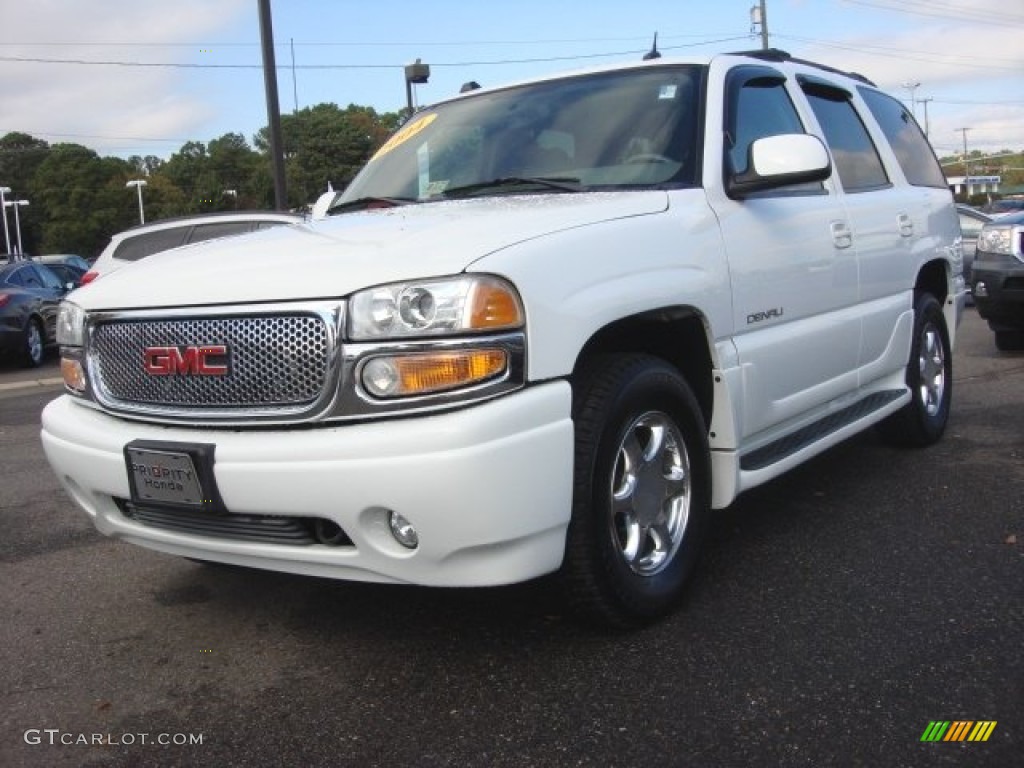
point(776, 54)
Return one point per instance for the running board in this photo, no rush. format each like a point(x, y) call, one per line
point(813, 433)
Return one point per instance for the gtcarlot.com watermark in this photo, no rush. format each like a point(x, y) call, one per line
point(57, 737)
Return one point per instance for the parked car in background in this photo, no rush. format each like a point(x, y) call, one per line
point(146, 239)
point(1004, 206)
point(971, 222)
point(30, 294)
point(998, 279)
point(69, 267)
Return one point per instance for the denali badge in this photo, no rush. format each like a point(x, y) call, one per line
point(209, 360)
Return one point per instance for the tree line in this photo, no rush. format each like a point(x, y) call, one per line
point(78, 199)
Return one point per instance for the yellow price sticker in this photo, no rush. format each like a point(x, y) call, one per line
point(406, 133)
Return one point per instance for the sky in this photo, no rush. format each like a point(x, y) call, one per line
point(142, 77)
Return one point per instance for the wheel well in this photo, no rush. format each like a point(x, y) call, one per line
point(676, 335)
point(933, 279)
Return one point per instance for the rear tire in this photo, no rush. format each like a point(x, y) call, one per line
point(642, 491)
point(922, 421)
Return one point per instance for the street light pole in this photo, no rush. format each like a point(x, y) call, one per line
point(138, 184)
point(418, 73)
point(3, 209)
point(15, 204)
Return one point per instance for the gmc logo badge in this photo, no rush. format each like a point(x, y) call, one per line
point(209, 360)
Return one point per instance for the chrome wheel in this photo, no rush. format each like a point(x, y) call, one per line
point(33, 344)
point(650, 493)
point(931, 363)
point(929, 379)
point(641, 490)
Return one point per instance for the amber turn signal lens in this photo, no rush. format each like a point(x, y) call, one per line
point(410, 375)
point(73, 373)
point(494, 305)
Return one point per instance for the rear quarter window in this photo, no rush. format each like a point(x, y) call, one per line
point(143, 245)
point(908, 142)
point(219, 229)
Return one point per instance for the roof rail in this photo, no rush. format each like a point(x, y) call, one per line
point(775, 54)
point(768, 54)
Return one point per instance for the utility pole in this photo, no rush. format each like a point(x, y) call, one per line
point(759, 18)
point(925, 102)
point(967, 166)
point(912, 87)
point(273, 108)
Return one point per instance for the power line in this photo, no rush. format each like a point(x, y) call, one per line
point(901, 53)
point(195, 65)
point(368, 43)
point(932, 9)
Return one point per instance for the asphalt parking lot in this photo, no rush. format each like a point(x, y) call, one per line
point(837, 613)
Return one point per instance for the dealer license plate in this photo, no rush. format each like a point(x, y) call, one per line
point(164, 477)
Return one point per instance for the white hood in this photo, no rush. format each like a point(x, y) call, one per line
point(339, 255)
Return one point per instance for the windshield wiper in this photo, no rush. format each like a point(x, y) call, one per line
point(559, 183)
point(366, 203)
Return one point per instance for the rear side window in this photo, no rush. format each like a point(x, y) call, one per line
point(141, 246)
point(45, 277)
point(857, 161)
point(18, 277)
point(913, 152)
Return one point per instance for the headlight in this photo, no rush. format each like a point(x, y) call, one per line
point(70, 325)
point(996, 240)
point(434, 308)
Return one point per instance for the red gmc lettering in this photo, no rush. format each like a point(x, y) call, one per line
point(167, 361)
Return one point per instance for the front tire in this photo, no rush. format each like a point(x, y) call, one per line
point(922, 421)
point(642, 491)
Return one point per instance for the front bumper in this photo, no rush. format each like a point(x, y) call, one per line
point(999, 292)
point(488, 488)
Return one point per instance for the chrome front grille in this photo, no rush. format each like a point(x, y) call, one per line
point(277, 363)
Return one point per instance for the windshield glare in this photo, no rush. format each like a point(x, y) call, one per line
point(623, 129)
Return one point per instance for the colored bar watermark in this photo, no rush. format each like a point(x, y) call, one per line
point(958, 730)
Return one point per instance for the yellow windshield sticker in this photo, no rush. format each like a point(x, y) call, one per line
point(406, 133)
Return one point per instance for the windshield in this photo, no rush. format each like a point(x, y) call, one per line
point(635, 128)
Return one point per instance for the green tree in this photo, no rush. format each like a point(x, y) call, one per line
point(20, 155)
point(325, 143)
point(80, 199)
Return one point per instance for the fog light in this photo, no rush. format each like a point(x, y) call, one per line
point(403, 531)
point(980, 289)
point(73, 373)
point(380, 377)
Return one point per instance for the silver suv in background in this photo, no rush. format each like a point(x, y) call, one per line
point(145, 240)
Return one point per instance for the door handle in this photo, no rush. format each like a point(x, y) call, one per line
point(842, 235)
point(905, 224)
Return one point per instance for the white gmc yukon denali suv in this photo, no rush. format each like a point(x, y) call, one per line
point(548, 328)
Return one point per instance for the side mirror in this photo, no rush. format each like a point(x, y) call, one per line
point(781, 161)
point(323, 204)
